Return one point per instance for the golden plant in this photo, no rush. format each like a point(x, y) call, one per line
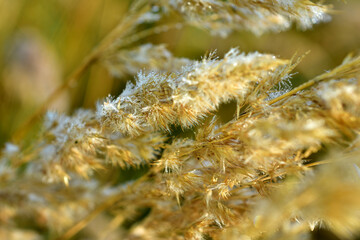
point(286, 164)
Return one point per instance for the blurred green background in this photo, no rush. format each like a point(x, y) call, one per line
point(43, 41)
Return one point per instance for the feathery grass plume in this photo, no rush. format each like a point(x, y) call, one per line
point(159, 99)
point(218, 16)
point(54, 206)
point(79, 145)
point(67, 148)
point(254, 177)
point(328, 199)
point(226, 163)
point(226, 167)
point(342, 100)
point(217, 178)
point(276, 86)
point(48, 206)
point(147, 57)
point(27, 202)
point(349, 68)
point(223, 17)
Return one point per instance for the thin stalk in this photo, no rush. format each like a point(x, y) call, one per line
point(294, 91)
point(145, 33)
point(349, 68)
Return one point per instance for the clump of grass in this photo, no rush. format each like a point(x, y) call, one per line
point(250, 178)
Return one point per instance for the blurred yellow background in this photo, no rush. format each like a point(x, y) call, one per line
point(43, 41)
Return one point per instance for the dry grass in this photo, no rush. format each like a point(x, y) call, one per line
point(284, 165)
